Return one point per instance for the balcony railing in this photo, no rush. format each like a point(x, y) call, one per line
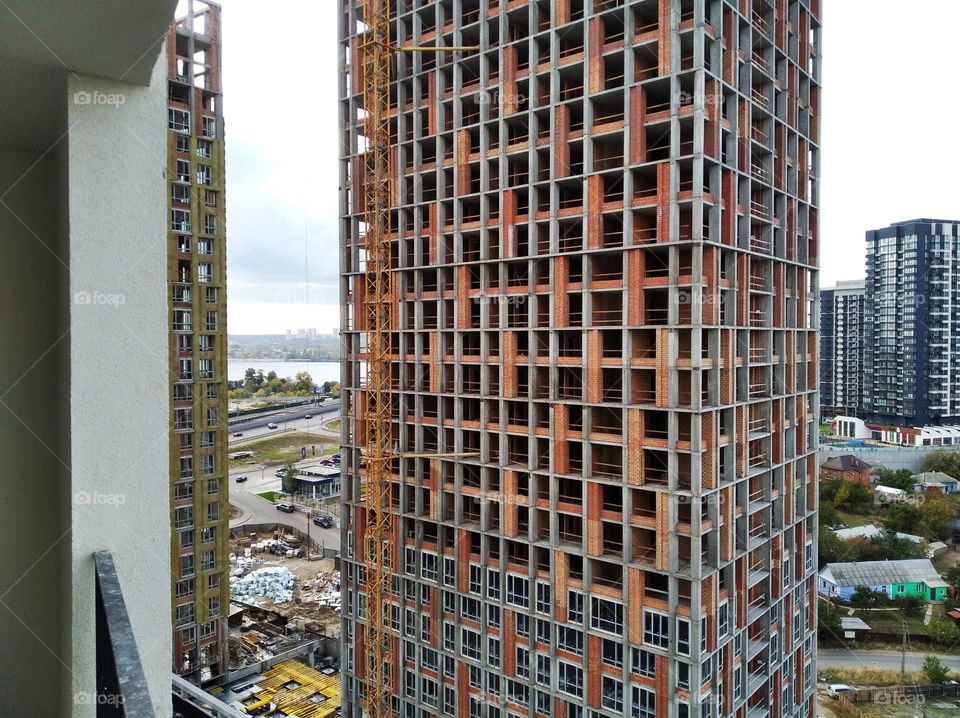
point(120, 676)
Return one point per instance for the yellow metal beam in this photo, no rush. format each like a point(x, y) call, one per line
point(452, 48)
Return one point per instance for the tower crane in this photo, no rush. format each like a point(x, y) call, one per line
point(376, 55)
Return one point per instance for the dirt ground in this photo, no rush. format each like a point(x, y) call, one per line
point(305, 604)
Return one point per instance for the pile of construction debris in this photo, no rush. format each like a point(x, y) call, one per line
point(274, 583)
point(324, 589)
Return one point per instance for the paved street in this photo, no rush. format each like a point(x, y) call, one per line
point(834, 658)
point(257, 510)
point(256, 428)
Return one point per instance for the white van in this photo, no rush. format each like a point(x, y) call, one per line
point(839, 689)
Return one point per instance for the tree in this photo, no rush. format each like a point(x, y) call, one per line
point(934, 670)
point(943, 631)
point(833, 549)
point(937, 512)
point(946, 461)
point(889, 548)
point(303, 383)
point(853, 497)
point(910, 604)
point(828, 514)
point(288, 479)
point(952, 576)
point(828, 621)
point(899, 479)
point(866, 597)
point(902, 517)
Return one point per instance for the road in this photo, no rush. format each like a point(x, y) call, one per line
point(837, 658)
point(257, 510)
point(256, 427)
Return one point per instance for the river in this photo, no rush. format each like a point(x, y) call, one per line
point(321, 371)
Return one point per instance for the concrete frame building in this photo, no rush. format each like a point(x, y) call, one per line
point(84, 575)
point(842, 346)
point(605, 284)
point(196, 269)
point(912, 305)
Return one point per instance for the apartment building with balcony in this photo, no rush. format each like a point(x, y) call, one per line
point(197, 373)
point(912, 325)
point(84, 524)
point(605, 251)
point(842, 347)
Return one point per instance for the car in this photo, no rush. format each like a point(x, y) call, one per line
point(838, 689)
point(238, 433)
point(285, 507)
point(335, 457)
point(271, 425)
point(324, 522)
point(308, 416)
point(240, 479)
point(950, 682)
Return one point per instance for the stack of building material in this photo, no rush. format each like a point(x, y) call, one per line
point(272, 582)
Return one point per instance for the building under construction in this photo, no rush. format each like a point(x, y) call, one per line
point(601, 218)
point(196, 269)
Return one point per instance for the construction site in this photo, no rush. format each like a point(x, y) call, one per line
point(579, 269)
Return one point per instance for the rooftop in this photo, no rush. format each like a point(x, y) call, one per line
point(847, 462)
point(867, 531)
point(878, 573)
point(933, 478)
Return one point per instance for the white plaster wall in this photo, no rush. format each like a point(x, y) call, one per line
point(119, 403)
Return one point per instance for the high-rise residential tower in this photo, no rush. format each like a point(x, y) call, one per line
point(605, 247)
point(196, 268)
point(912, 311)
point(842, 347)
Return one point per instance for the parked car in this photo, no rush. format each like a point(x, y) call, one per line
point(324, 522)
point(285, 507)
point(240, 479)
point(238, 433)
point(271, 425)
point(838, 689)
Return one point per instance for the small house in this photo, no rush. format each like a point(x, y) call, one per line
point(847, 467)
point(867, 531)
point(935, 482)
point(909, 577)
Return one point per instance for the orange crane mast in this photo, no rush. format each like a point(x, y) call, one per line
point(376, 54)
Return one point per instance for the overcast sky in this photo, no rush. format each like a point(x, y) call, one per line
point(890, 144)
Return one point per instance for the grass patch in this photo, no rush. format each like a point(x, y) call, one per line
point(281, 448)
point(892, 621)
point(862, 677)
point(269, 495)
point(333, 425)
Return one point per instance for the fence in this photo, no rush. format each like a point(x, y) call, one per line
point(317, 549)
point(902, 695)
